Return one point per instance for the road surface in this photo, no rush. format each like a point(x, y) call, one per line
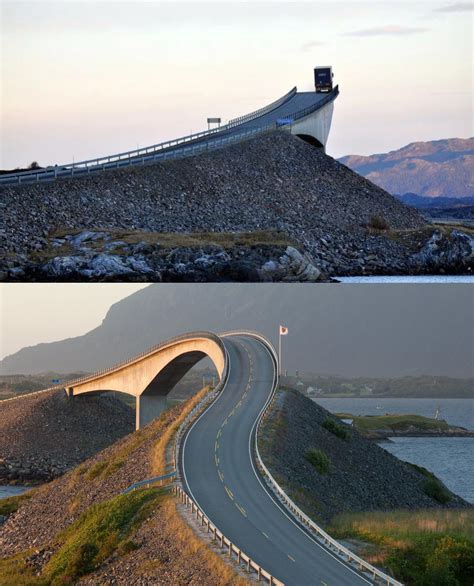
point(219, 474)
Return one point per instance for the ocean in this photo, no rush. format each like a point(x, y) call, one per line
point(409, 279)
point(451, 459)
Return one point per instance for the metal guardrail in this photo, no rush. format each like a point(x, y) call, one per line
point(163, 151)
point(291, 506)
point(224, 542)
point(55, 171)
point(262, 111)
point(149, 482)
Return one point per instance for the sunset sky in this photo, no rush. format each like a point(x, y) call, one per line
point(83, 79)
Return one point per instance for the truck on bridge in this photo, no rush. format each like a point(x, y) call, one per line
point(323, 79)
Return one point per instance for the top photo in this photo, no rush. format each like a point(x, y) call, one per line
point(315, 142)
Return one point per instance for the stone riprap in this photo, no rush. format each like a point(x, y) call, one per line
point(362, 476)
point(43, 435)
point(273, 182)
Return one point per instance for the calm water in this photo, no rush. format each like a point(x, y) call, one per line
point(6, 491)
point(410, 279)
point(451, 459)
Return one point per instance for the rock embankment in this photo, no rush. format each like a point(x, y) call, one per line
point(43, 435)
point(361, 476)
point(273, 182)
point(155, 548)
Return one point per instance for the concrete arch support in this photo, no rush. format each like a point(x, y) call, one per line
point(152, 375)
point(316, 125)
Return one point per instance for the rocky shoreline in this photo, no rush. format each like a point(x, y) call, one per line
point(343, 224)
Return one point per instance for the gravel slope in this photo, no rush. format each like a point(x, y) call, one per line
point(362, 476)
point(272, 182)
point(43, 435)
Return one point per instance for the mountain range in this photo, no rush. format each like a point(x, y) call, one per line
point(346, 330)
point(434, 169)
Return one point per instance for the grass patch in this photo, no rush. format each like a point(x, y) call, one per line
point(435, 489)
point(423, 548)
point(98, 532)
point(336, 428)
point(13, 503)
point(433, 486)
point(378, 223)
point(319, 460)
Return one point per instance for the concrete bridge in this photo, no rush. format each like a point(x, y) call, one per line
point(219, 471)
point(304, 114)
point(150, 376)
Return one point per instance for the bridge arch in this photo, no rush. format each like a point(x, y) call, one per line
point(150, 376)
point(312, 140)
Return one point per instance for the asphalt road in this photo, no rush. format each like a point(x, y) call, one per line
point(219, 473)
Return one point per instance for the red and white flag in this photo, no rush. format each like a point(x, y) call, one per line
point(283, 330)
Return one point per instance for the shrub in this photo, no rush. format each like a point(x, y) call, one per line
point(11, 504)
point(335, 428)
point(435, 489)
point(378, 223)
point(319, 460)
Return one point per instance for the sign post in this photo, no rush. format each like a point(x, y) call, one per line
point(213, 121)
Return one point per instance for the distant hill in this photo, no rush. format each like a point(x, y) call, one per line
point(325, 333)
point(439, 168)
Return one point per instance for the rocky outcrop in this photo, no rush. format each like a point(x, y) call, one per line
point(44, 435)
point(100, 256)
point(441, 251)
point(272, 182)
point(362, 476)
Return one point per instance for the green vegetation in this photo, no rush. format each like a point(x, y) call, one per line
point(436, 490)
point(378, 223)
point(433, 487)
point(11, 504)
point(421, 548)
point(367, 423)
point(100, 531)
point(319, 460)
point(335, 428)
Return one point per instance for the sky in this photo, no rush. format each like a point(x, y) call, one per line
point(84, 79)
point(31, 313)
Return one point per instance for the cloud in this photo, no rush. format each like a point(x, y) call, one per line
point(389, 30)
point(459, 7)
point(311, 44)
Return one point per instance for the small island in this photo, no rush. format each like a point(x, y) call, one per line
point(381, 427)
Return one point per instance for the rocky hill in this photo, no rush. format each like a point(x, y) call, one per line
point(275, 182)
point(43, 435)
point(348, 473)
point(439, 168)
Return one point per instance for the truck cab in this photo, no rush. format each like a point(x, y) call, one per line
point(323, 79)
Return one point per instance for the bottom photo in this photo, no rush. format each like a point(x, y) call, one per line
point(219, 434)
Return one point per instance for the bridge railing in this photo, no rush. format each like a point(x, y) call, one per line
point(75, 168)
point(262, 111)
point(145, 353)
point(292, 507)
point(174, 149)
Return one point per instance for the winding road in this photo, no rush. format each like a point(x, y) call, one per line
point(219, 473)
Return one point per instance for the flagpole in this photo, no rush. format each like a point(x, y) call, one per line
point(279, 349)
